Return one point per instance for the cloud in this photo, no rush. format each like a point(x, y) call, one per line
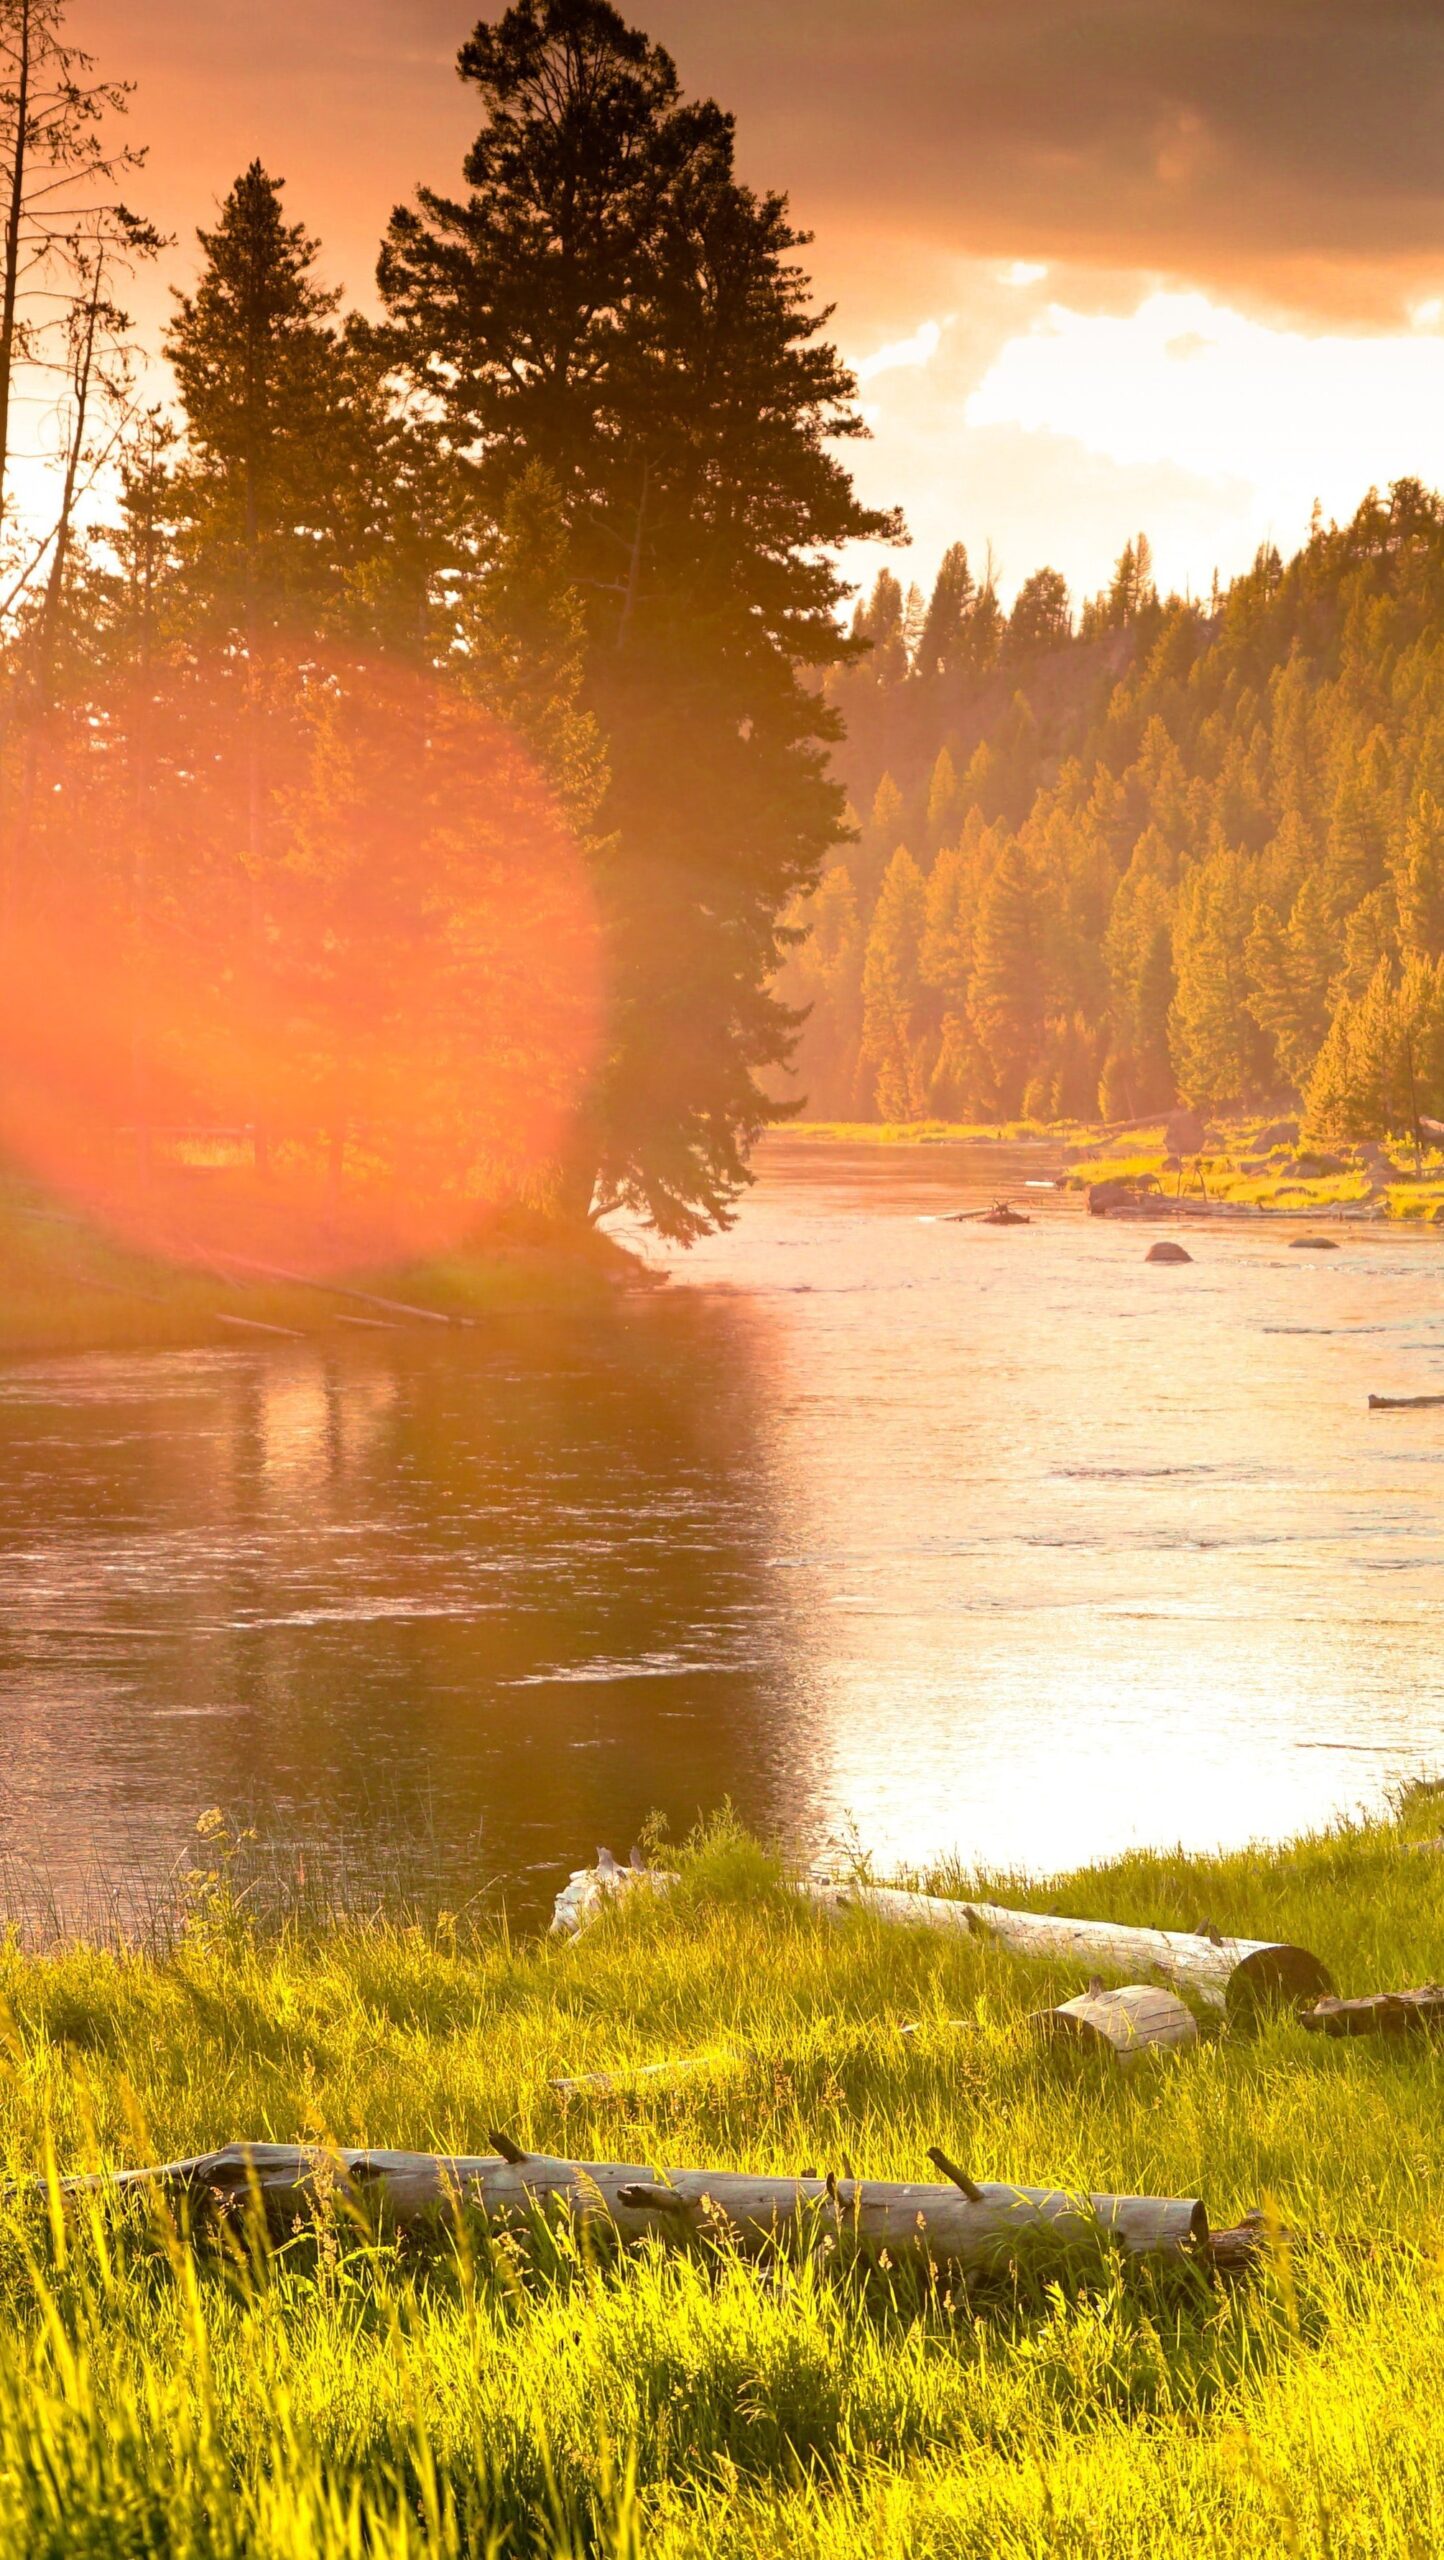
point(919, 349)
point(1289, 146)
point(1187, 381)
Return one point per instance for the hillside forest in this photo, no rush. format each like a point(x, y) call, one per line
point(1180, 851)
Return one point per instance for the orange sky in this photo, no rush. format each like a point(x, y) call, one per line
point(1104, 268)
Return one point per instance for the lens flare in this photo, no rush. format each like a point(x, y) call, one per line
point(300, 960)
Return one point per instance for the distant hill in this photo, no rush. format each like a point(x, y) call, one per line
point(1180, 852)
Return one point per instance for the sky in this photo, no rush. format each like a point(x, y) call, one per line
point(1175, 265)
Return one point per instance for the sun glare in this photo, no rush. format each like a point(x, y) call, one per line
point(305, 961)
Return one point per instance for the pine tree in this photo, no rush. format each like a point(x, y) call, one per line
point(945, 802)
point(1138, 950)
point(1359, 1083)
point(1042, 617)
point(891, 991)
point(522, 627)
point(1289, 968)
point(941, 648)
point(827, 976)
point(257, 363)
point(1217, 1053)
point(945, 961)
point(1420, 890)
point(610, 301)
point(1006, 1002)
point(879, 626)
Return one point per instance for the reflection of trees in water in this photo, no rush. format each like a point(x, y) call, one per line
point(515, 1596)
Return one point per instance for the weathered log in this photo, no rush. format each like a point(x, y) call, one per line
point(1126, 2022)
point(959, 2224)
point(339, 1289)
point(1239, 1975)
point(1401, 1404)
point(1378, 2013)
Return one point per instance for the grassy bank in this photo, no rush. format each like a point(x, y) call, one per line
point(1239, 1166)
point(66, 1286)
point(344, 2400)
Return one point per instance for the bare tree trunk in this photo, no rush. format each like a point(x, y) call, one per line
point(10, 279)
point(1236, 1974)
point(960, 2224)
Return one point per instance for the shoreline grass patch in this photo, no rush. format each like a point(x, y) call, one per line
point(338, 2397)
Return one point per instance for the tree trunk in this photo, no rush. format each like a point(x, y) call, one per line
point(10, 276)
point(417, 2190)
point(1236, 1974)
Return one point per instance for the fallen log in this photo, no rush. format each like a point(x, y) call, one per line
point(1378, 2013)
point(960, 2224)
point(1401, 1404)
point(1128, 2022)
point(338, 1289)
point(1239, 1975)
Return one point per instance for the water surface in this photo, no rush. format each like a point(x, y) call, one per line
point(949, 1537)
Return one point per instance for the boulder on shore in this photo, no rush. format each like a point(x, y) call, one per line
point(1167, 1251)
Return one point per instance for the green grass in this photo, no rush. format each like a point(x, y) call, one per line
point(1235, 1172)
point(914, 1133)
point(66, 1286)
point(342, 2399)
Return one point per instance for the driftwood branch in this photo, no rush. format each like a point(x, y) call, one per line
point(1380, 2013)
point(961, 2224)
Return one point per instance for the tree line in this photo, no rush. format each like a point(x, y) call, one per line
point(1180, 851)
point(578, 488)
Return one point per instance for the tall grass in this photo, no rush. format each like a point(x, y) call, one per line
point(340, 2396)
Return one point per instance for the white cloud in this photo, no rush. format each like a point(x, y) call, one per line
point(1187, 383)
point(1021, 272)
point(919, 349)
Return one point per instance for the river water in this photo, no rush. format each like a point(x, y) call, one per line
point(940, 1537)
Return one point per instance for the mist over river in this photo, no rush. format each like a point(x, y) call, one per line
point(948, 1537)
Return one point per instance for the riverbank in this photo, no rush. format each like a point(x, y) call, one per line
point(67, 1286)
point(346, 2399)
point(1244, 1163)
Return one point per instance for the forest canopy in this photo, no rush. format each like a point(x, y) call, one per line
point(1183, 851)
point(575, 498)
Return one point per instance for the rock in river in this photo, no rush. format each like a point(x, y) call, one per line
point(1167, 1251)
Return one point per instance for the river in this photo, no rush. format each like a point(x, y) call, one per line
point(936, 1537)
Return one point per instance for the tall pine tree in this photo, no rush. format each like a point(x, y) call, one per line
point(610, 301)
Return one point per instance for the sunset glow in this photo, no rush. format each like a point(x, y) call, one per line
point(347, 1062)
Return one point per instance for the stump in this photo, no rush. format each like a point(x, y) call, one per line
point(1134, 2020)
